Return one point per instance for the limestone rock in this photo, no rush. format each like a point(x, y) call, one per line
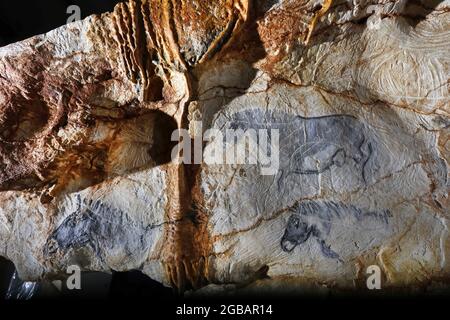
point(353, 95)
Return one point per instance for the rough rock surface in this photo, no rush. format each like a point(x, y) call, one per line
point(358, 90)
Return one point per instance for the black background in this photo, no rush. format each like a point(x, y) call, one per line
point(23, 19)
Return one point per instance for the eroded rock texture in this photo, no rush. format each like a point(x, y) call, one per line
point(358, 91)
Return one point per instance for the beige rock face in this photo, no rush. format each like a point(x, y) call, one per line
point(358, 93)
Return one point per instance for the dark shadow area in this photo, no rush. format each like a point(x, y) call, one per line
point(141, 142)
point(6, 272)
point(21, 20)
point(136, 285)
point(96, 286)
point(417, 10)
point(161, 151)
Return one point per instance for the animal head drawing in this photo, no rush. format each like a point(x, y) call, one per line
point(297, 232)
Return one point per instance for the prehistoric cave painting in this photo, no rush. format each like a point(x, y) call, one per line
point(316, 219)
point(312, 145)
point(101, 228)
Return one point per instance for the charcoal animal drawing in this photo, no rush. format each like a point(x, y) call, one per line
point(311, 146)
point(102, 229)
point(315, 220)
